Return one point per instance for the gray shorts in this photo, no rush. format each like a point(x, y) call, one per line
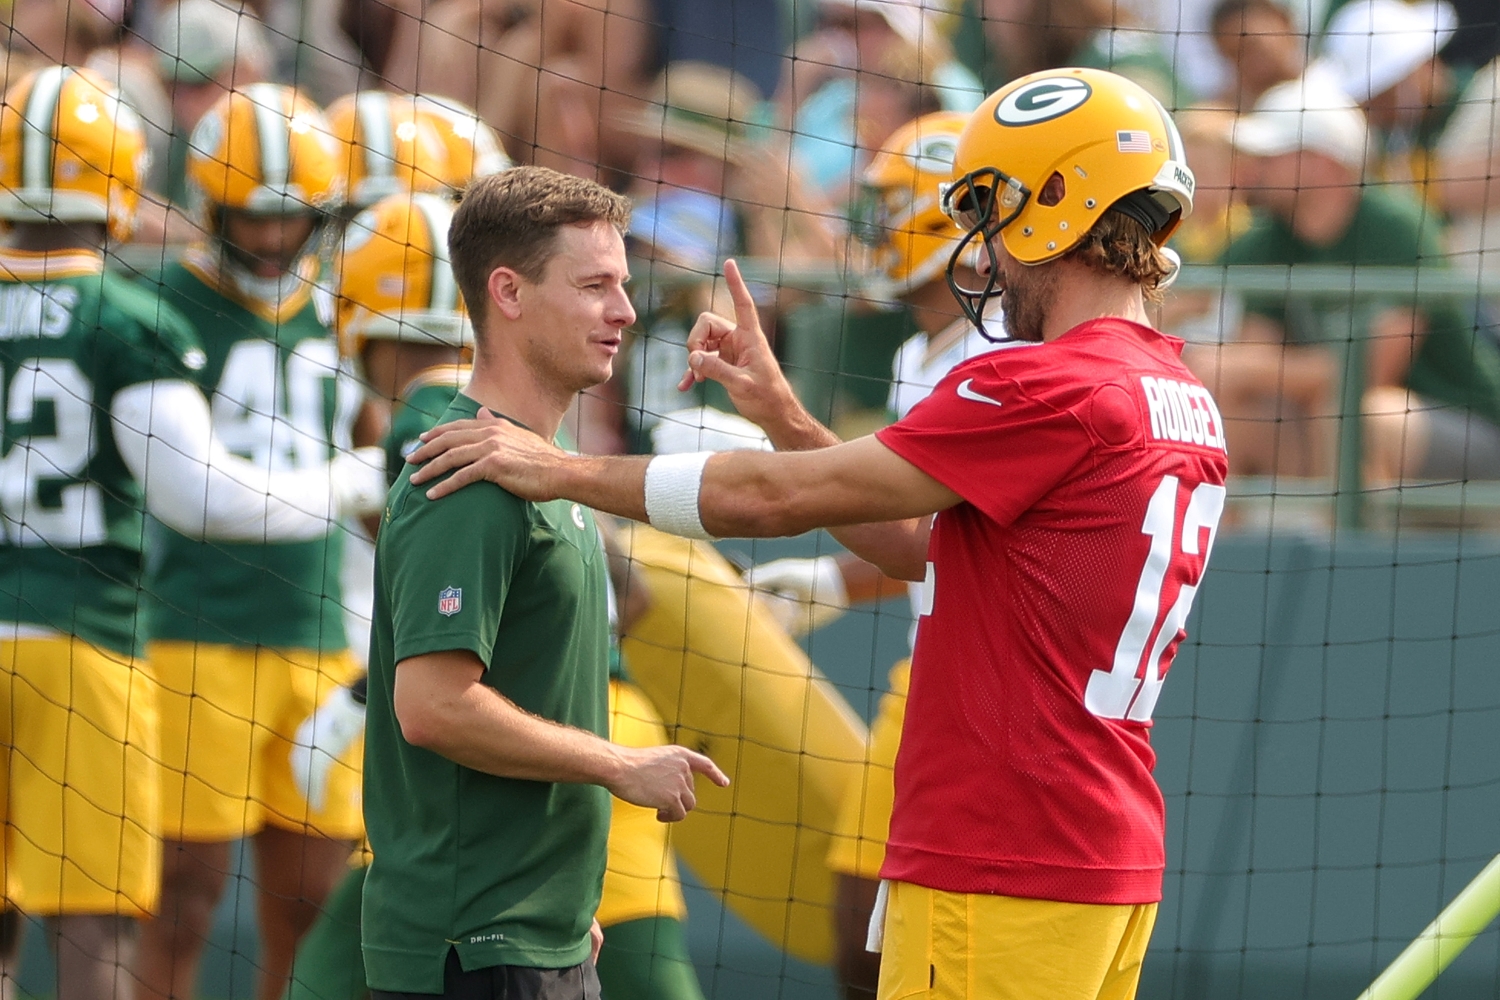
point(1461, 445)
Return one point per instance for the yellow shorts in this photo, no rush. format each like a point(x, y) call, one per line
point(81, 793)
point(952, 946)
point(640, 875)
point(864, 820)
point(228, 718)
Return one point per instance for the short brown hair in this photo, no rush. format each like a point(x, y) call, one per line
point(1121, 246)
point(512, 220)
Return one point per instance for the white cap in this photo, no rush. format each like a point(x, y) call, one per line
point(1375, 44)
point(197, 39)
point(907, 18)
point(1308, 113)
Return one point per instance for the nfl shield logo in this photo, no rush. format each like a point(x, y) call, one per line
point(450, 600)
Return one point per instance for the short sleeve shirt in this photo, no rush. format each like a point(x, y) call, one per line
point(506, 871)
point(1091, 470)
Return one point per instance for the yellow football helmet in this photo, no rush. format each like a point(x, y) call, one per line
point(394, 278)
point(474, 148)
point(265, 150)
point(386, 146)
point(1109, 142)
point(899, 214)
point(70, 151)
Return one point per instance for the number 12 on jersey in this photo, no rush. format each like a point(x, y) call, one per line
point(1130, 688)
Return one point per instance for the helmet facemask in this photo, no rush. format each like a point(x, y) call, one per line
point(971, 202)
point(301, 267)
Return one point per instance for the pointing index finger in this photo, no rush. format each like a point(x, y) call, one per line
point(745, 313)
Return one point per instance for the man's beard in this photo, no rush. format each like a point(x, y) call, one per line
point(1028, 296)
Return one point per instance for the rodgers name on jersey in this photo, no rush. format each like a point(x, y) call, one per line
point(280, 399)
point(71, 337)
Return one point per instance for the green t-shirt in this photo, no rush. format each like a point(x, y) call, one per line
point(71, 336)
point(277, 396)
point(506, 871)
point(1456, 365)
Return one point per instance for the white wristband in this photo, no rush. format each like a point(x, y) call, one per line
point(672, 486)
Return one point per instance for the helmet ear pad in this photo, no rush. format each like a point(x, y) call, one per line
point(1052, 192)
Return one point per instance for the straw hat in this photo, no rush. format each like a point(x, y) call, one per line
point(699, 106)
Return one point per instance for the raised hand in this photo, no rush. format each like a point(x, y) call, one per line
point(661, 778)
point(736, 354)
point(491, 448)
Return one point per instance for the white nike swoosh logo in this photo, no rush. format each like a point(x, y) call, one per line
point(967, 393)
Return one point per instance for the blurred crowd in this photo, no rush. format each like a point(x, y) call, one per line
point(1341, 132)
point(809, 139)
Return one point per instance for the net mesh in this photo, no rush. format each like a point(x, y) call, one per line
point(186, 583)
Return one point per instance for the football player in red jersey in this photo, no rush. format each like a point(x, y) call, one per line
point(1077, 479)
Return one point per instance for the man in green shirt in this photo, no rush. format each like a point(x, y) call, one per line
point(1432, 398)
point(487, 772)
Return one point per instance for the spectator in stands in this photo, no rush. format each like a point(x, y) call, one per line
point(707, 189)
point(203, 50)
point(1016, 37)
point(60, 31)
point(1385, 56)
point(1260, 41)
point(1432, 386)
point(858, 46)
point(554, 86)
point(1467, 176)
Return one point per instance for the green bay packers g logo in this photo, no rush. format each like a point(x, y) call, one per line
point(1042, 100)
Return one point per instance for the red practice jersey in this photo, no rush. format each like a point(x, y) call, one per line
point(1092, 472)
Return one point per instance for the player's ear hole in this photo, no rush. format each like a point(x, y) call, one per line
point(1053, 191)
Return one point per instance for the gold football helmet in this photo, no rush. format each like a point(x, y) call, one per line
point(265, 150)
point(1109, 142)
point(386, 146)
point(474, 149)
point(900, 215)
point(394, 278)
point(70, 151)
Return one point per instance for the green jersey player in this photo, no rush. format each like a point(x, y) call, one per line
point(101, 424)
point(247, 638)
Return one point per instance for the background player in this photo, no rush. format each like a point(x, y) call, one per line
point(1026, 850)
point(911, 241)
point(397, 143)
point(78, 343)
point(248, 639)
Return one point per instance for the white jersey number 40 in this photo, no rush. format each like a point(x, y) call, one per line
point(1128, 690)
